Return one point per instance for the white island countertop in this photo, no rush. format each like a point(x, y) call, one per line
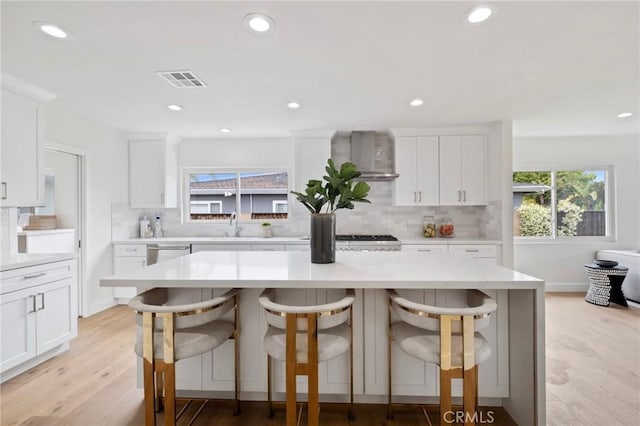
point(351, 269)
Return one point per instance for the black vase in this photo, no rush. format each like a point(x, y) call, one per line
point(323, 238)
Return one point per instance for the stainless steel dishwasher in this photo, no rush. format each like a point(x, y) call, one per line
point(157, 253)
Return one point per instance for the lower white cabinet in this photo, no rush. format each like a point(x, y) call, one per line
point(127, 258)
point(49, 241)
point(488, 253)
point(38, 317)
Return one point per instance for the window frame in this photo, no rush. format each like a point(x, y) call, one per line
point(186, 192)
point(609, 205)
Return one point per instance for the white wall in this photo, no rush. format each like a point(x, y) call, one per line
point(561, 264)
point(106, 183)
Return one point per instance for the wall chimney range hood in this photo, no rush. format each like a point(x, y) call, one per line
point(374, 163)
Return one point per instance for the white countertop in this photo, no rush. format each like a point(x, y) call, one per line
point(352, 269)
point(22, 260)
point(206, 240)
point(287, 240)
point(46, 231)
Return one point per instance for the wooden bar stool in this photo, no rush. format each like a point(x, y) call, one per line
point(447, 337)
point(303, 336)
point(170, 330)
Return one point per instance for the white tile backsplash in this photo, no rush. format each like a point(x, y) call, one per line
point(379, 217)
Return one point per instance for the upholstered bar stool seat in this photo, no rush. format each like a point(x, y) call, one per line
point(332, 343)
point(194, 341)
point(425, 345)
point(170, 328)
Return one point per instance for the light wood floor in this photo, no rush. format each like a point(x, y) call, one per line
point(593, 362)
point(593, 377)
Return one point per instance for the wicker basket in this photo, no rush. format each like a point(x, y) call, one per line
point(40, 222)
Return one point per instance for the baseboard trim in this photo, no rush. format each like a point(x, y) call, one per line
point(100, 306)
point(567, 287)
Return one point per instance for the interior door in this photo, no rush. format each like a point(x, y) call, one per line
point(65, 169)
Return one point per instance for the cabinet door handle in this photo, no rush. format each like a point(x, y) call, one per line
point(4, 190)
point(415, 196)
point(464, 195)
point(425, 250)
point(420, 196)
point(33, 304)
point(28, 277)
point(162, 198)
point(458, 195)
point(42, 299)
point(472, 250)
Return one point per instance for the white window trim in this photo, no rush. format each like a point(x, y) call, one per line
point(186, 199)
point(609, 205)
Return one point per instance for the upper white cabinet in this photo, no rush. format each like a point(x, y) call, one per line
point(417, 164)
point(22, 134)
point(462, 170)
point(153, 171)
point(439, 169)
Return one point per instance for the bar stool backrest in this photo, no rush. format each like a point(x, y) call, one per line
point(427, 317)
point(329, 314)
point(186, 315)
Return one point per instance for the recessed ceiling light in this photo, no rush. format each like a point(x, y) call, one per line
point(174, 107)
point(479, 14)
point(53, 30)
point(258, 22)
point(624, 115)
point(416, 102)
point(225, 130)
point(293, 105)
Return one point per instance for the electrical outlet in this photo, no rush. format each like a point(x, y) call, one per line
point(403, 224)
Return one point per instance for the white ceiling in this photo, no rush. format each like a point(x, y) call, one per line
point(554, 68)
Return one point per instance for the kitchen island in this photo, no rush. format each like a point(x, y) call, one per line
point(515, 381)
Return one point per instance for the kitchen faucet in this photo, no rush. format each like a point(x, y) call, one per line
point(232, 219)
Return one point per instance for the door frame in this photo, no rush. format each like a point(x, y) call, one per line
point(83, 161)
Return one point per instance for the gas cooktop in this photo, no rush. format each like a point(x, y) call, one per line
point(358, 237)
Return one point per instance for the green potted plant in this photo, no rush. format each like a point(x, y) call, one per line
point(336, 190)
point(266, 230)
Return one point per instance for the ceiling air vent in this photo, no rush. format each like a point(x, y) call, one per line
point(182, 79)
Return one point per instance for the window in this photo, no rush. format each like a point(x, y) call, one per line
point(279, 206)
point(253, 195)
point(561, 203)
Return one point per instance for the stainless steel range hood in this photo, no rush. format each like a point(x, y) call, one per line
point(374, 163)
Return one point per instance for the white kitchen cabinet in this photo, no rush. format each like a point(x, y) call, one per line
point(414, 377)
point(220, 247)
point(22, 133)
point(417, 164)
point(425, 248)
point(462, 170)
point(298, 247)
point(153, 171)
point(268, 247)
point(489, 253)
point(479, 252)
point(127, 258)
point(39, 314)
point(47, 241)
point(18, 328)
